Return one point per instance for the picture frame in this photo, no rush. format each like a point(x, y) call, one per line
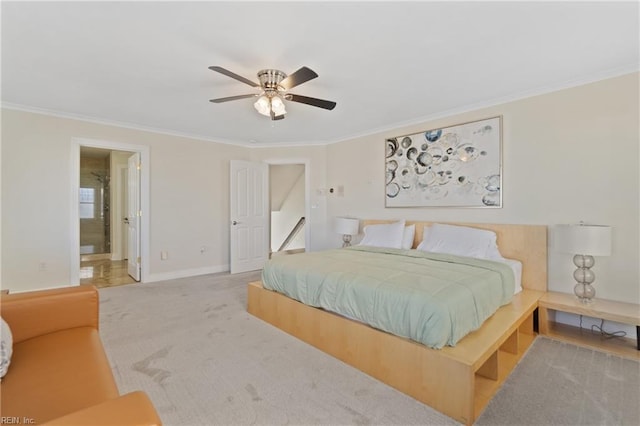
point(454, 166)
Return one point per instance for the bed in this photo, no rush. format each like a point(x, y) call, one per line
point(458, 381)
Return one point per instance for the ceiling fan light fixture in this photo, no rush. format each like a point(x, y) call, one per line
point(274, 86)
point(263, 106)
point(270, 102)
point(277, 105)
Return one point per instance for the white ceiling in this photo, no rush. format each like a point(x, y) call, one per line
point(386, 64)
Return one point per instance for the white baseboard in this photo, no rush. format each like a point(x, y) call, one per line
point(185, 273)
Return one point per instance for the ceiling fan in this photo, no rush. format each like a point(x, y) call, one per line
point(273, 90)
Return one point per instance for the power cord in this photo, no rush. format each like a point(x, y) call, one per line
point(606, 334)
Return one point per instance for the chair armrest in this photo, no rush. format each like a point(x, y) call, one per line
point(132, 409)
point(40, 312)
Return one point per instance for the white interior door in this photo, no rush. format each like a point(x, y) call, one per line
point(124, 200)
point(133, 215)
point(249, 214)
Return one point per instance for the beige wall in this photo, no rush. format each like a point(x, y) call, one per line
point(189, 199)
point(568, 156)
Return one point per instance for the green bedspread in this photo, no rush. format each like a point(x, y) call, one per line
point(435, 299)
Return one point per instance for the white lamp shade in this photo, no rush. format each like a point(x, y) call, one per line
point(262, 105)
point(346, 225)
point(278, 106)
point(592, 240)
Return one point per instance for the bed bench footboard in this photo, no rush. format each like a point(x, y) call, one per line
point(457, 381)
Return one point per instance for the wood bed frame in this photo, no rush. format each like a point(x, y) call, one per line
point(457, 381)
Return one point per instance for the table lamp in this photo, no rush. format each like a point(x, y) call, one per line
point(584, 241)
point(347, 226)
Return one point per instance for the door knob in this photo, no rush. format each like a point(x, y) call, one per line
point(235, 222)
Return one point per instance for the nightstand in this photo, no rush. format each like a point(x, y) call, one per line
point(626, 313)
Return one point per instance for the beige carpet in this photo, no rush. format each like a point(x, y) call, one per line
point(562, 384)
point(191, 345)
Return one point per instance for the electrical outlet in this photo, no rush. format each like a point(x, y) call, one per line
point(164, 255)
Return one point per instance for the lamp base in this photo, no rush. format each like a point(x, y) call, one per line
point(346, 238)
point(584, 276)
point(585, 293)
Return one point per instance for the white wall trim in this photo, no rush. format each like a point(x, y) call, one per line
point(115, 123)
point(186, 273)
point(145, 204)
point(307, 192)
point(491, 103)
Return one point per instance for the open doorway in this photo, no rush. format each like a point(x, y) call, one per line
point(269, 211)
point(102, 184)
point(103, 217)
point(287, 194)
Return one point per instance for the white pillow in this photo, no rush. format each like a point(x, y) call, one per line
point(516, 267)
point(407, 238)
point(384, 235)
point(458, 240)
point(6, 348)
point(493, 253)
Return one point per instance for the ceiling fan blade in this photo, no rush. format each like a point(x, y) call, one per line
point(320, 103)
point(231, 98)
point(234, 75)
point(303, 75)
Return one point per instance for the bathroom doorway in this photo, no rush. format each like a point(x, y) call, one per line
point(102, 210)
point(141, 216)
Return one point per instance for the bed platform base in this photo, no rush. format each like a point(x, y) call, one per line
point(458, 381)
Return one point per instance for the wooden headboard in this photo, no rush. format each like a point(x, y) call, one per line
point(526, 243)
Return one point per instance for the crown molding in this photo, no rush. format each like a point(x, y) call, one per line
point(543, 90)
point(604, 75)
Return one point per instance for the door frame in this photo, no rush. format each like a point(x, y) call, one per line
point(145, 204)
point(307, 194)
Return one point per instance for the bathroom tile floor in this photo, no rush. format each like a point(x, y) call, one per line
point(104, 273)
